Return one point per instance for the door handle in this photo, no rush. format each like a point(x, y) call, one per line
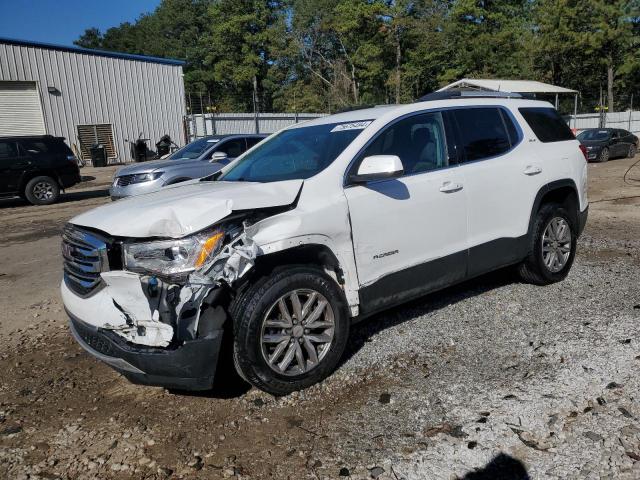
point(532, 170)
point(448, 187)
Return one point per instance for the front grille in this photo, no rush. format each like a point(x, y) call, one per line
point(124, 180)
point(84, 256)
point(94, 339)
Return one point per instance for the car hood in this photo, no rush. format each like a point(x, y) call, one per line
point(154, 165)
point(185, 208)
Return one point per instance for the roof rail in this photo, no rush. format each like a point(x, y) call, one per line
point(461, 94)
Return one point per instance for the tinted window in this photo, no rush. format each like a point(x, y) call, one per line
point(597, 135)
point(418, 140)
point(194, 149)
point(251, 141)
point(8, 150)
point(547, 124)
point(233, 148)
point(483, 132)
point(295, 153)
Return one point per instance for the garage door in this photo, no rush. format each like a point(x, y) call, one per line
point(20, 109)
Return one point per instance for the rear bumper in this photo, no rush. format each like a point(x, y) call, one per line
point(69, 178)
point(582, 220)
point(190, 366)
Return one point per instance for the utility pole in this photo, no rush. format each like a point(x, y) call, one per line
point(255, 104)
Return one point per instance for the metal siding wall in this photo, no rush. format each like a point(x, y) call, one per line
point(133, 96)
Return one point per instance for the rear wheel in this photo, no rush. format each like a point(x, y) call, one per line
point(552, 247)
point(42, 191)
point(632, 151)
point(290, 330)
point(604, 155)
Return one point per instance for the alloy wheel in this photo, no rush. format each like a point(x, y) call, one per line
point(43, 191)
point(297, 332)
point(556, 244)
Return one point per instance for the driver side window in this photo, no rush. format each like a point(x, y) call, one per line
point(233, 148)
point(418, 140)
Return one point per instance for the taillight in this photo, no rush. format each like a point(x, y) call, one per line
point(583, 149)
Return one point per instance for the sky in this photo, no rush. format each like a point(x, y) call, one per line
point(63, 21)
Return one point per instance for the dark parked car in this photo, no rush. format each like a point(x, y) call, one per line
point(36, 168)
point(605, 143)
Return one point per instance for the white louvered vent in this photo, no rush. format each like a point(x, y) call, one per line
point(102, 133)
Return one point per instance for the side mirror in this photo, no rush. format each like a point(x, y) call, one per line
point(378, 167)
point(218, 157)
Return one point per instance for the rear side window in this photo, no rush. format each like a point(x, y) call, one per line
point(36, 146)
point(483, 132)
point(547, 124)
point(8, 150)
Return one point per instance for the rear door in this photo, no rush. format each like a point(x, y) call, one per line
point(409, 233)
point(12, 166)
point(502, 178)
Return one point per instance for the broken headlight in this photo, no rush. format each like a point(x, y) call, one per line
point(173, 257)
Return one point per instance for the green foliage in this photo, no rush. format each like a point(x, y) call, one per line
point(324, 55)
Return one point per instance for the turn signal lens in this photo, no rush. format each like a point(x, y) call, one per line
point(207, 247)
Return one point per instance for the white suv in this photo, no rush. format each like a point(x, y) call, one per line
point(320, 225)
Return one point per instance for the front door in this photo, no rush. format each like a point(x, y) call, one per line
point(409, 233)
point(11, 167)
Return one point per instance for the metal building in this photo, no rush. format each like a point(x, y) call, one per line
point(89, 96)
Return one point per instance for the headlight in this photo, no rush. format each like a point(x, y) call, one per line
point(141, 177)
point(173, 257)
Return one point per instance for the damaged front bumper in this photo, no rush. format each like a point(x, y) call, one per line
point(189, 366)
point(133, 341)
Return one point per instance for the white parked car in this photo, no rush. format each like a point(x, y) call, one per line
point(323, 224)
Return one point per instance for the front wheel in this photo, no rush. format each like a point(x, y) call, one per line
point(552, 247)
point(290, 329)
point(632, 151)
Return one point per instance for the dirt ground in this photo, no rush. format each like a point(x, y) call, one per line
point(489, 379)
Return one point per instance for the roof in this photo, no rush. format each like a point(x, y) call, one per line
point(89, 51)
point(349, 116)
point(420, 105)
point(513, 86)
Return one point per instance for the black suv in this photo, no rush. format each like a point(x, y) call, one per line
point(36, 168)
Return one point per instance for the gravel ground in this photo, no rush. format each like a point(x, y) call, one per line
point(490, 379)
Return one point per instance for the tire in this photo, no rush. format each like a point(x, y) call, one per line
point(632, 151)
point(604, 155)
point(42, 191)
point(535, 268)
point(262, 331)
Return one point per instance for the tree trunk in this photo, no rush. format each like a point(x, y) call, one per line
point(354, 83)
point(398, 61)
point(610, 85)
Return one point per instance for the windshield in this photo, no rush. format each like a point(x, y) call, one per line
point(194, 149)
point(297, 153)
point(594, 135)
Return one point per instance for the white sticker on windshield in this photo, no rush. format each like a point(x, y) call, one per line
point(351, 126)
point(213, 140)
point(603, 131)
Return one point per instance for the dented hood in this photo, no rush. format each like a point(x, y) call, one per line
point(184, 209)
